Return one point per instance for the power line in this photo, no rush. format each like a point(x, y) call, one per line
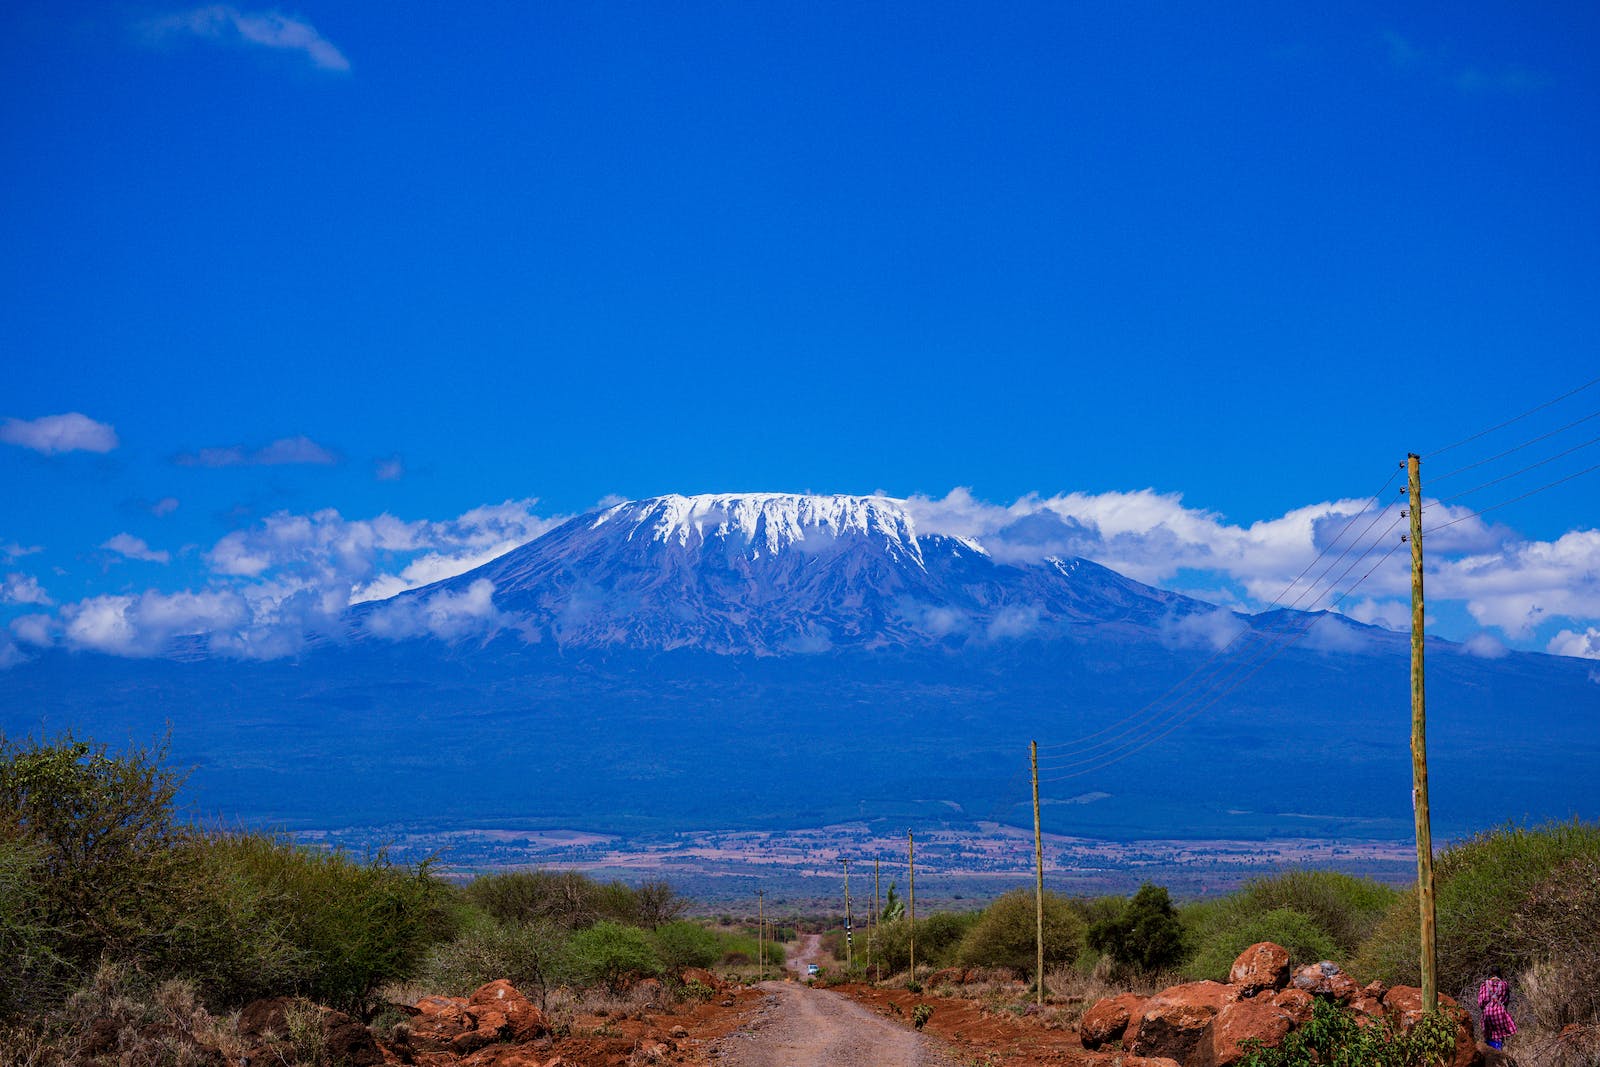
point(1513, 500)
point(1518, 418)
point(1177, 709)
point(1146, 742)
point(1437, 478)
point(1524, 470)
point(1219, 653)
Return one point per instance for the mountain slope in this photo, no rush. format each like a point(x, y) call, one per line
point(771, 574)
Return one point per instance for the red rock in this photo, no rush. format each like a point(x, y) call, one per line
point(1297, 1002)
point(1174, 1019)
point(1236, 1022)
point(1404, 1004)
point(1261, 966)
point(1325, 979)
point(519, 1019)
point(948, 976)
point(1367, 1006)
point(704, 977)
point(1108, 1019)
point(1375, 990)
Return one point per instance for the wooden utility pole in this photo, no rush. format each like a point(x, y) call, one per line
point(877, 966)
point(911, 865)
point(1038, 862)
point(849, 955)
point(761, 930)
point(1419, 747)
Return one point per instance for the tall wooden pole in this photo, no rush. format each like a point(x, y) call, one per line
point(911, 865)
point(1419, 748)
point(849, 954)
point(761, 930)
point(873, 926)
point(1038, 862)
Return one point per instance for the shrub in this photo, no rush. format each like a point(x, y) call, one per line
point(612, 954)
point(686, 944)
point(100, 831)
point(533, 957)
point(33, 976)
point(1333, 1038)
point(920, 1015)
point(1219, 941)
point(1148, 933)
point(565, 898)
point(939, 938)
point(1557, 924)
point(272, 917)
point(1345, 908)
point(1004, 934)
point(1481, 886)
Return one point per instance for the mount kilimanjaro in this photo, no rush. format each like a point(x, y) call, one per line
point(773, 660)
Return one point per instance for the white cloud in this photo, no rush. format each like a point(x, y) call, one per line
point(1485, 645)
point(1585, 645)
point(265, 29)
point(23, 589)
point(445, 614)
point(52, 434)
point(1210, 629)
point(287, 451)
point(35, 629)
point(125, 544)
point(143, 625)
point(391, 469)
point(165, 506)
point(13, 551)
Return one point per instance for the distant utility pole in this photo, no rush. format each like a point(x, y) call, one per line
point(1038, 862)
point(877, 966)
point(911, 865)
point(761, 930)
point(1419, 747)
point(849, 956)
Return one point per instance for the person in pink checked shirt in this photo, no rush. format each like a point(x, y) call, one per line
point(1494, 1001)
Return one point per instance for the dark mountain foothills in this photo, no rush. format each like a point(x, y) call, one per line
point(779, 661)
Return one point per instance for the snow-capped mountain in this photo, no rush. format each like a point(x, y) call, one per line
point(773, 574)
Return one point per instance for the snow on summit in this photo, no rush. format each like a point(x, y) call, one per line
point(769, 522)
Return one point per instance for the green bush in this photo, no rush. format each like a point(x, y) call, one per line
point(1004, 934)
point(33, 976)
point(1347, 909)
point(610, 953)
point(1148, 933)
point(573, 900)
point(939, 938)
point(265, 916)
point(1333, 1038)
point(565, 898)
point(533, 957)
point(1481, 885)
point(686, 944)
point(99, 828)
point(1233, 928)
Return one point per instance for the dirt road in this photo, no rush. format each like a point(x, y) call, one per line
point(799, 1026)
point(807, 950)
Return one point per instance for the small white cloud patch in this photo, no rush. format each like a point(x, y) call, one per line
point(53, 434)
point(265, 29)
point(131, 547)
point(1585, 645)
point(23, 589)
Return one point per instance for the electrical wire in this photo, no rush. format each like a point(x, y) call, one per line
point(1177, 709)
point(1524, 470)
point(1513, 500)
point(1517, 418)
point(1437, 478)
point(1144, 743)
point(1219, 653)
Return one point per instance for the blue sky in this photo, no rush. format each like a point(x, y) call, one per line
point(1181, 274)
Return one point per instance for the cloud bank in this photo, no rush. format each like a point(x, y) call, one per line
point(270, 584)
point(287, 451)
